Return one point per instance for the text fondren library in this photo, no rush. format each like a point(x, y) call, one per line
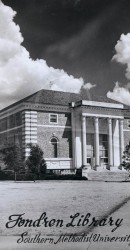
point(71, 129)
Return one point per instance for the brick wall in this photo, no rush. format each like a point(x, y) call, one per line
point(126, 131)
point(64, 119)
point(63, 136)
point(126, 137)
point(46, 130)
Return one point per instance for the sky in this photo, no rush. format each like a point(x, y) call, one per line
point(81, 37)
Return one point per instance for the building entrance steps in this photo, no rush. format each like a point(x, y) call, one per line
point(106, 175)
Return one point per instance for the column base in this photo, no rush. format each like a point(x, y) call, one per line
point(84, 166)
point(108, 167)
point(95, 167)
point(120, 167)
point(114, 168)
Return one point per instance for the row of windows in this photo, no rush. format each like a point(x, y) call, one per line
point(11, 121)
point(53, 118)
point(103, 160)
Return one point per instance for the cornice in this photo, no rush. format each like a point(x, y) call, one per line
point(33, 106)
point(46, 107)
point(102, 108)
point(81, 108)
point(91, 103)
point(12, 110)
point(58, 108)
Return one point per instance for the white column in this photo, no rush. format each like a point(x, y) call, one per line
point(78, 141)
point(121, 138)
point(96, 125)
point(116, 143)
point(110, 144)
point(84, 161)
point(73, 138)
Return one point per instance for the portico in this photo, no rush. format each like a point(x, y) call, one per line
point(101, 141)
point(113, 133)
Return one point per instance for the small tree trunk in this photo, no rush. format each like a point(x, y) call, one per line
point(15, 176)
point(34, 177)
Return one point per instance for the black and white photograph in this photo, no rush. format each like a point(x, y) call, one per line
point(64, 124)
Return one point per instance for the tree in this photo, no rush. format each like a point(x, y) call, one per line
point(126, 157)
point(35, 161)
point(43, 167)
point(13, 158)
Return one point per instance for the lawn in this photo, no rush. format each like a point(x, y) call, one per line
point(60, 200)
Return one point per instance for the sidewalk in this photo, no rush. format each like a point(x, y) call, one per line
point(123, 230)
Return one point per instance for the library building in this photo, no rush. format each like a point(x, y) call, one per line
point(73, 130)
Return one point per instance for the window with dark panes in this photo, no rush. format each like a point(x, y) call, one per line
point(53, 118)
point(128, 123)
point(54, 144)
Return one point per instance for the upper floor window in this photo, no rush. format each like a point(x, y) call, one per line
point(53, 118)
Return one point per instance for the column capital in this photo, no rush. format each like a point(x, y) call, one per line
point(121, 121)
point(96, 118)
point(83, 116)
point(83, 119)
point(109, 119)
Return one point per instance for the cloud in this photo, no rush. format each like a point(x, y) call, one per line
point(19, 74)
point(120, 94)
point(122, 48)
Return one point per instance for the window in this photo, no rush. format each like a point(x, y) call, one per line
point(53, 118)
point(89, 160)
point(103, 148)
point(128, 123)
point(54, 144)
point(90, 148)
point(90, 145)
